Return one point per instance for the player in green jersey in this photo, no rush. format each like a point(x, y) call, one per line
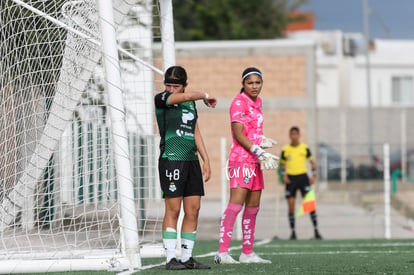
point(181, 175)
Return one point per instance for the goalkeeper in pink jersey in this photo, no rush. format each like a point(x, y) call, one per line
point(246, 162)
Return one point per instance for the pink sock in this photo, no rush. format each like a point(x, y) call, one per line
point(226, 226)
point(248, 228)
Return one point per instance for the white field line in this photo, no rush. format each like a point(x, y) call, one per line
point(333, 245)
point(210, 254)
point(298, 253)
point(393, 244)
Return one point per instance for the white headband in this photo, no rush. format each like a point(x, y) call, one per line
point(252, 72)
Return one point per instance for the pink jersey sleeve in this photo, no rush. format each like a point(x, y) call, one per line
point(237, 110)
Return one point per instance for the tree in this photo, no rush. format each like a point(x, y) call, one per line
point(233, 19)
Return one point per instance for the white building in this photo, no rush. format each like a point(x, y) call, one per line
point(342, 70)
point(354, 121)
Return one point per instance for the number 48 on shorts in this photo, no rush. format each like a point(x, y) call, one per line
point(180, 178)
point(173, 175)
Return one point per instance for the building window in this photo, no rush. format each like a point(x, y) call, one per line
point(402, 90)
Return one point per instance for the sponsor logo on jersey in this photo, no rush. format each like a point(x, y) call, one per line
point(179, 132)
point(186, 117)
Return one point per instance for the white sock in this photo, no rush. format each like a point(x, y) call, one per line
point(187, 245)
point(169, 239)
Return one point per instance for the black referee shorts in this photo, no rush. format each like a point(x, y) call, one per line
point(180, 178)
point(300, 182)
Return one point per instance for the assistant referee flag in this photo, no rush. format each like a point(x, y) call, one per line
point(308, 204)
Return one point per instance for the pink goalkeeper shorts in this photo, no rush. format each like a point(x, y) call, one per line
point(245, 175)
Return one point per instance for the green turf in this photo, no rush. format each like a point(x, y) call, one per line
point(304, 257)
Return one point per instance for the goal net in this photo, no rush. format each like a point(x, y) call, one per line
point(62, 193)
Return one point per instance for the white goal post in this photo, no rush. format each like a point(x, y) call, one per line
point(79, 187)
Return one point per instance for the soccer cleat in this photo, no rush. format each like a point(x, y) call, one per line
point(317, 235)
point(224, 258)
point(173, 264)
point(252, 258)
point(193, 264)
point(293, 235)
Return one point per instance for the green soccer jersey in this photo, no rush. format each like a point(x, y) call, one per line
point(176, 124)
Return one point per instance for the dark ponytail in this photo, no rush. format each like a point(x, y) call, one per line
point(175, 75)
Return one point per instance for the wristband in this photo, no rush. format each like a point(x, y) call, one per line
point(256, 150)
point(314, 171)
point(206, 96)
point(283, 170)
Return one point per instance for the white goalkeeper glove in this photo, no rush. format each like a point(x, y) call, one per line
point(267, 142)
point(267, 161)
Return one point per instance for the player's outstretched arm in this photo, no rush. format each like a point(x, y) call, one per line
point(210, 101)
point(177, 98)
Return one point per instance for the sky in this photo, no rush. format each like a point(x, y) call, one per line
point(393, 19)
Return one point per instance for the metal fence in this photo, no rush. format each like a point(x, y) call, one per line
point(346, 152)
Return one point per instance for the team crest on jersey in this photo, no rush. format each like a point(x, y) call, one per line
point(246, 180)
point(172, 187)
